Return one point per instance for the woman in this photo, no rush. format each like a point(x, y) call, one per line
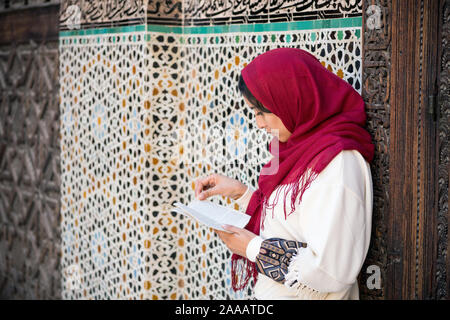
point(310, 223)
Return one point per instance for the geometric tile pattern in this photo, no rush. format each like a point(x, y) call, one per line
point(148, 104)
point(143, 114)
point(104, 184)
point(222, 133)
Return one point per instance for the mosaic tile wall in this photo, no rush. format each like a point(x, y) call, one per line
point(145, 110)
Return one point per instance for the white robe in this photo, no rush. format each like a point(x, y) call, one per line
point(334, 219)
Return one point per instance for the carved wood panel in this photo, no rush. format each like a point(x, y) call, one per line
point(376, 76)
point(403, 56)
point(29, 160)
point(443, 214)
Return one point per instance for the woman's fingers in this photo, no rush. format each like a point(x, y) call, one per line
point(237, 241)
point(231, 228)
point(203, 183)
point(220, 233)
point(217, 184)
point(206, 187)
point(208, 193)
point(224, 236)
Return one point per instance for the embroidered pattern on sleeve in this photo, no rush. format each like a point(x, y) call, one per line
point(275, 255)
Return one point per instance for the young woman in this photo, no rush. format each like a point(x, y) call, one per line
point(310, 223)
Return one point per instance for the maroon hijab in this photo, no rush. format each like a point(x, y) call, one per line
point(325, 116)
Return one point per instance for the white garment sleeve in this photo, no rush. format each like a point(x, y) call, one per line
point(253, 248)
point(245, 198)
point(254, 245)
point(337, 240)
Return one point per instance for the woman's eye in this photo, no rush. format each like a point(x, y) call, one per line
point(259, 114)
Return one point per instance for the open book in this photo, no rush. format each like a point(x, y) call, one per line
point(213, 215)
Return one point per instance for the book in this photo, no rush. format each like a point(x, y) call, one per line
point(212, 215)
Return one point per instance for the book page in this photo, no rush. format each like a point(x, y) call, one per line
point(213, 215)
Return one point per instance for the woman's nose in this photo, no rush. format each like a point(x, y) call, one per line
point(260, 123)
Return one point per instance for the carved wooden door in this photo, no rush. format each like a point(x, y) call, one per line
point(30, 238)
point(406, 89)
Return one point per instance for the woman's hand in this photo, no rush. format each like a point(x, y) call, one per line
point(238, 240)
point(217, 184)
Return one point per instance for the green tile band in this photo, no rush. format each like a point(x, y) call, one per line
point(262, 27)
point(239, 28)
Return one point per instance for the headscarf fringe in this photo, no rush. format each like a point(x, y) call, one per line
point(242, 270)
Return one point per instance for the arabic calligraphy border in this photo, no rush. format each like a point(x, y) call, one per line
point(110, 13)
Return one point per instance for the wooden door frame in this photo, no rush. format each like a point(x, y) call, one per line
point(411, 220)
point(39, 24)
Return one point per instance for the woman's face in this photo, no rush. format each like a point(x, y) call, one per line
point(270, 122)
